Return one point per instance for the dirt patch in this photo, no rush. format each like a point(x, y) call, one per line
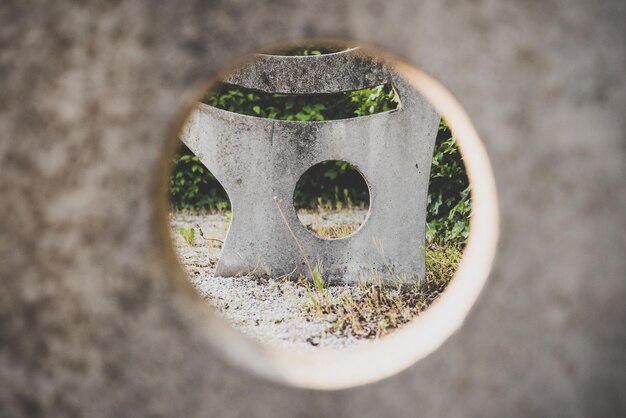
point(294, 312)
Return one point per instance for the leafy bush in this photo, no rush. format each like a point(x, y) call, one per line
point(192, 186)
point(449, 207)
point(303, 107)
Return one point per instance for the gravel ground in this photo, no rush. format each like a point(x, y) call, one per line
point(269, 310)
point(327, 219)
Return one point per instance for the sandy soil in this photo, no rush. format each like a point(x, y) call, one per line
point(269, 310)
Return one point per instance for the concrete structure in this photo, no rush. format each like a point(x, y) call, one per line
point(258, 159)
point(97, 319)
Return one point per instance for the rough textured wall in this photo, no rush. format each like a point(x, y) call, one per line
point(94, 322)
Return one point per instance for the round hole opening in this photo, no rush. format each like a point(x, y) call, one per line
point(335, 186)
point(332, 199)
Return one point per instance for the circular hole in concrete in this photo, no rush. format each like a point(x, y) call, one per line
point(332, 199)
point(266, 301)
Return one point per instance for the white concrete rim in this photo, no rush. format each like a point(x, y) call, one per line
point(334, 369)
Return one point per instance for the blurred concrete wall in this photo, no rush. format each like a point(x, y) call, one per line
point(94, 318)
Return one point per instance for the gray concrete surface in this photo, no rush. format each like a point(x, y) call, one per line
point(329, 73)
point(95, 317)
point(258, 160)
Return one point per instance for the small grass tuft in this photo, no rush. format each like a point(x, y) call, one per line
point(318, 291)
point(189, 235)
point(373, 308)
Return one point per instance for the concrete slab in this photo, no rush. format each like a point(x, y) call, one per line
point(258, 160)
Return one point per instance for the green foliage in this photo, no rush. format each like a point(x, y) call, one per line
point(449, 207)
point(188, 234)
point(306, 52)
point(301, 51)
point(374, 100)
point(304, 107)
point(192, 186)
point(334, 184)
